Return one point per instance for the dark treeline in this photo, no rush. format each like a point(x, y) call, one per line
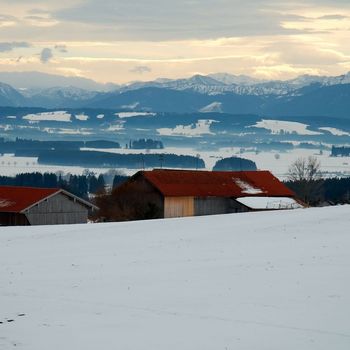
point(80, 185)
point(146, 144)
point(327, 191)
point(340, 151)
point(113, 160)
point(234, 164)
point(23, 147)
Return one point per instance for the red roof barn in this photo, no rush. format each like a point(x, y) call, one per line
point(41, 206)
point(188, 193)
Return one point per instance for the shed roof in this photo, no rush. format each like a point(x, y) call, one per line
point(16, 199)
point(174, 183)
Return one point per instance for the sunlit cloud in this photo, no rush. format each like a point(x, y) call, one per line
point(116, 40)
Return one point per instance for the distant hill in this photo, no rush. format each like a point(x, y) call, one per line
point(222, 93)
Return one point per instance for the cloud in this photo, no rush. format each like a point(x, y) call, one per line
point(140, 69)
point(46, 55)
point(7, 21)
point(181, 19)
point(41, 21)
point(333, 17)
point(61, 48)
point(5, 47)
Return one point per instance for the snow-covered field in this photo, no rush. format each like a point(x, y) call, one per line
point(267, 281)
point(202, 127)
point(277, 162)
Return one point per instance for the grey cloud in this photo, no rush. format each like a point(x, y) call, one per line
point(181, 19)
point(7, 18)
point(5, 47)
point(37, 11)
point(46, 55)
point(61, 48)
point(335, 17)
point(140, 69)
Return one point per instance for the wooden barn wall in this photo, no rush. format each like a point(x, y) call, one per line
point(13, 219)
point(58, 209)
point(178, 207)
point(142, 192)
point(217, 205)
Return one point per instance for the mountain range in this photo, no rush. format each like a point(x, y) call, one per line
point(219, 93)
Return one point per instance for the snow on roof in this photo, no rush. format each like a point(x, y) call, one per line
point(246, 187)
point(269, 202)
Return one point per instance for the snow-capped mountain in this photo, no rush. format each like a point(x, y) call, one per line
point(230, 79)
point(58, 96)
point(221, 83)
point(220, 92)
point(10, 96)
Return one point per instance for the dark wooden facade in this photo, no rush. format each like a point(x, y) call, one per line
point(13, 219)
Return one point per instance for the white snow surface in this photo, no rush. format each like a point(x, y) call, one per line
point(269, 202)
point(285, 127)
point(82, 117)
point(57, 116)
point(212, 107)
point(335, 131)
point(202, 127)
point(267, 281)
point(246, 187)
point(134, 114)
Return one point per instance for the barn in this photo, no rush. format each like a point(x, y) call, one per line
point(178, 193)
point(41, 206)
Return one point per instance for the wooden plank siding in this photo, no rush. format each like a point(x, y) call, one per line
point(175, 207)
point(58, 209)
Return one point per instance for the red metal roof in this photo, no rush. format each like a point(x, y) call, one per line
point(175, 183)
point(15, 199)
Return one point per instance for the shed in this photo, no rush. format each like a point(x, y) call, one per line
point(191, 193)
point(41, 206)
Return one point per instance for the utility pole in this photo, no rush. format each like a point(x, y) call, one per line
point(161, 159)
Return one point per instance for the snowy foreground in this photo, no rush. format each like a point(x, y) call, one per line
point(276, 280)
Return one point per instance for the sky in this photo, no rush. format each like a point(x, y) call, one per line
point(121, 41)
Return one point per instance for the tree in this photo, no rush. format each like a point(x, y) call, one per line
point(305, 169)
point(305, 177)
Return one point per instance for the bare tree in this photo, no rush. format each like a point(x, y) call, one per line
point(305, 169)
point(306, 178)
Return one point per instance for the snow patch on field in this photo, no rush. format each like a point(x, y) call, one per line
point(212, 107)
point(285, 127)
point(335, 131)
point(272, 280)
point(82, 117)
point(57, 116)
point(202, 127)
point(66, 131)
point(134, 114)
point(116, 127)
